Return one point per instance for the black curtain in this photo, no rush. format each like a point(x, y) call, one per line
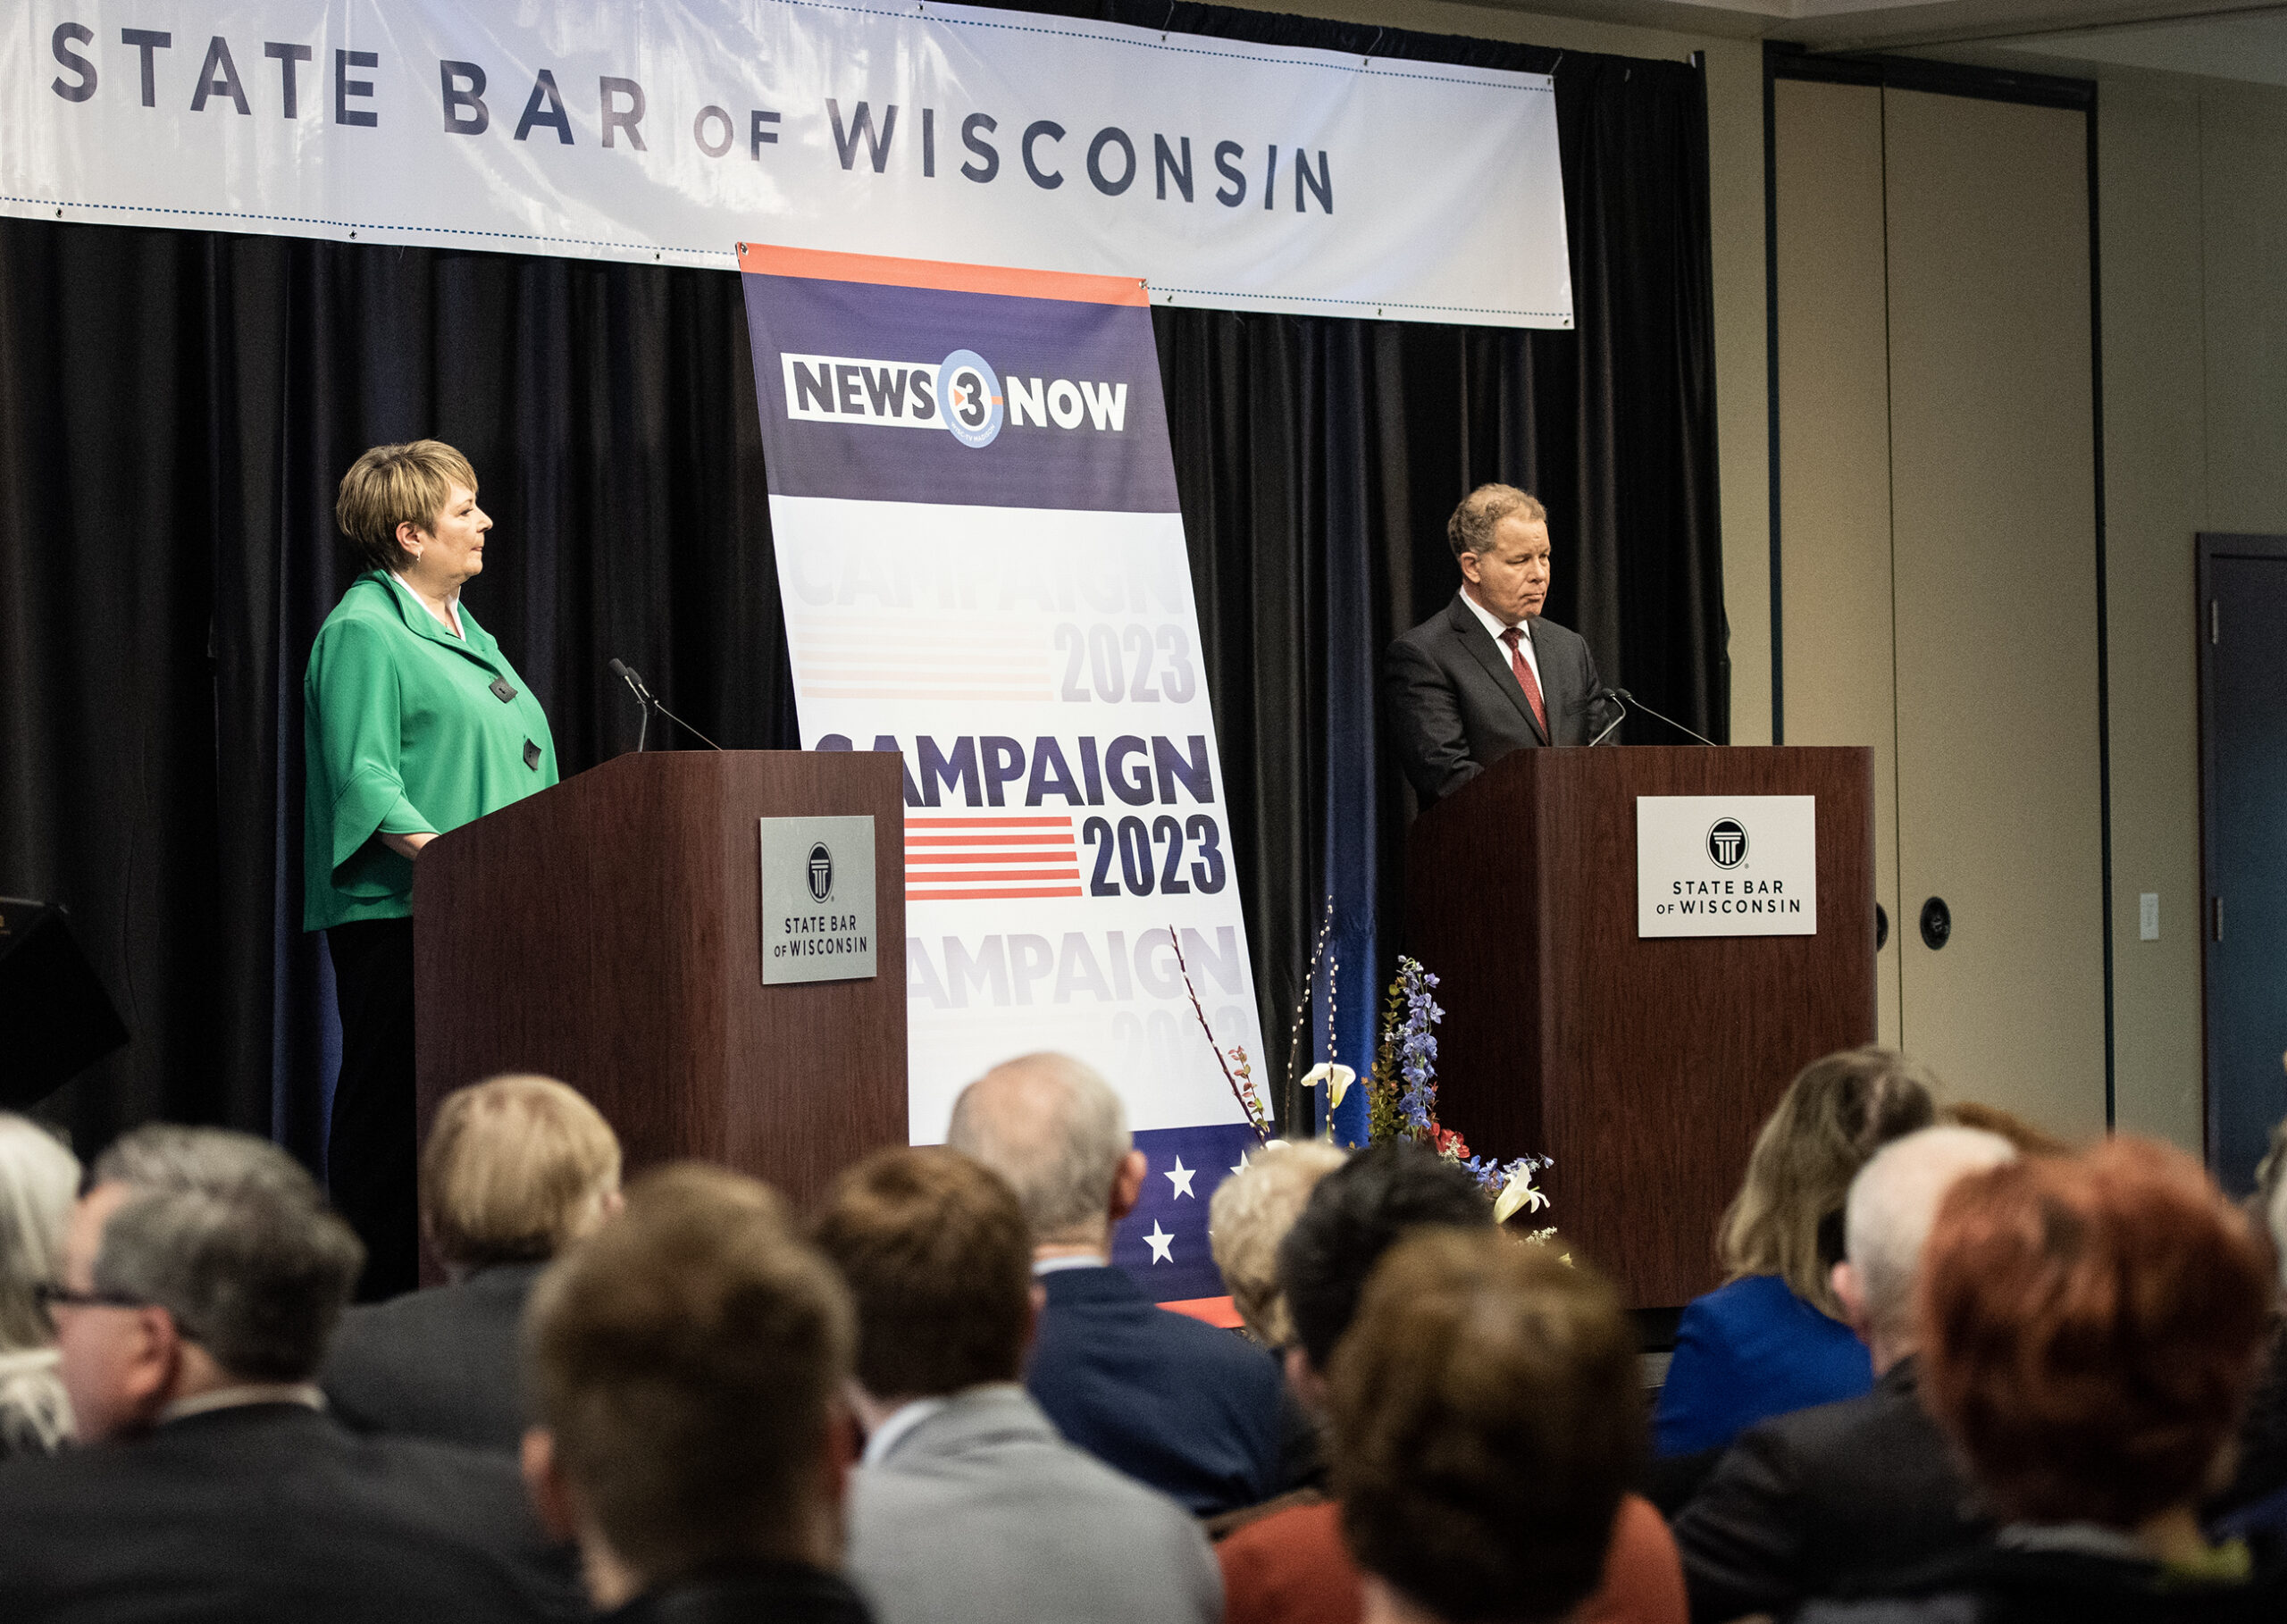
point(176, 408)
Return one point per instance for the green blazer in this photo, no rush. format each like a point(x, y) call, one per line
point(404, 729)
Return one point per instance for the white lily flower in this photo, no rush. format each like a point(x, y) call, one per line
point(1518, 1195)
point(1337, 1078)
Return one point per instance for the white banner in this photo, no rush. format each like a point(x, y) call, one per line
point(1231, 175)
point(1727, 865)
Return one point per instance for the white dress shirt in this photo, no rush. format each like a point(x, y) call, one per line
point(1496, 629)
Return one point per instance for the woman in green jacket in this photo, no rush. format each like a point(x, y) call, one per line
point(413, 722)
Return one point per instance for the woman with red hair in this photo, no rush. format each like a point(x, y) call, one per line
point(2091, 1326)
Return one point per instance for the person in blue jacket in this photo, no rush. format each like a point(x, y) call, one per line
point(1773, 1339)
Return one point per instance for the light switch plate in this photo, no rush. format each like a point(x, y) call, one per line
point(2147, 916)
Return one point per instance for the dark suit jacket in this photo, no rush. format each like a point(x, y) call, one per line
point(1455, 707)
point(1804, 1502)
point(766, 1594)
point(436, 1364)
point(1188, 1409)
point(273, 1514)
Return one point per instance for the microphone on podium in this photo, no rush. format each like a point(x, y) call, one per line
point(1622, 697)
point(643, 697)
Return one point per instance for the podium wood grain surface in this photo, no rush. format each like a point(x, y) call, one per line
point(1643, 1066)
point(608, 932)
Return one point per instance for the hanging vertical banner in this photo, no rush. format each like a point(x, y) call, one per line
point(982, 560)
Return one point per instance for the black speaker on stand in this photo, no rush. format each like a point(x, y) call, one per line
point(55, 1017)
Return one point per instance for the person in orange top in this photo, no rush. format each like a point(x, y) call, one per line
point(1295, 1564)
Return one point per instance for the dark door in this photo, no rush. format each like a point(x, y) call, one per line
point(2243, 799)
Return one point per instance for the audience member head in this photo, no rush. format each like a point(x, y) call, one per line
point(197, 1259)
point(1057, 1132)
point(933, 1248)
point(2091, 1327)
point(1486, 1416)
point(687, 1362)
point(1786, 1218)
point(1893, 1202)
point(391, 485)
point(1248, 1218)
point(2030, 1138)
point(515, 1169)
point(38, 1179)
point(1358, 1212)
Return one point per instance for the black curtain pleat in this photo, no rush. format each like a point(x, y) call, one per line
point(176, 409)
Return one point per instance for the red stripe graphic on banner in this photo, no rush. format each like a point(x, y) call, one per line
point(965, 859)
point(817, 265)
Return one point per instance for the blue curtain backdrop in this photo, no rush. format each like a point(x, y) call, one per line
point(176, 408)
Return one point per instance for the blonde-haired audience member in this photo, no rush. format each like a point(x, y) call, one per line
point(1250, 1214)
point(516, 1169)
point(1774, 1338)
point(38, 1179)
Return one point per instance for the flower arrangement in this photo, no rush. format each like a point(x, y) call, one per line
point(1402, 1097)
point(1238, 1071)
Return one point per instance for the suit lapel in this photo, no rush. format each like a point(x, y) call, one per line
point(1487, 653)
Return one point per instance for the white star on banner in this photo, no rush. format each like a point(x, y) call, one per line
point(1243, 1163)
point(1159, 1241)
point(1181, 1179)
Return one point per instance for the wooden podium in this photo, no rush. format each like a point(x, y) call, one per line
point(1643, 1066)
point(607, 932)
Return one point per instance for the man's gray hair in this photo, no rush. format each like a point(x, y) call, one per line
point(1892, 1203)
point(229, 1235)
point(1056, 1131)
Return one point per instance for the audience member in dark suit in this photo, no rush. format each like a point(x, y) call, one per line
point(1488, 674)
point(1848, 1490)
point(2090, 1331)
point(201, 1275)
point(688, 1363)
point(1773, 1339)
point(1189, 1410)
point(1485, 1419)
point(1292, 1566)
point(967, 1508)
point(515, 1169)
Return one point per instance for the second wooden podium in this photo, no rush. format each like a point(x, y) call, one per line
point(608, 932)
point(1643, 1064)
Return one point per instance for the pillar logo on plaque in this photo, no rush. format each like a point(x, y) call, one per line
point(817, 898)
point(1727, 865)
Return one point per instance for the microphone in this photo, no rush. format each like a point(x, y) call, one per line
point(1598, 698)
point(1621, 693)
point(626, 673)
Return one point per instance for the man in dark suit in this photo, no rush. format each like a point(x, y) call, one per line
point(201, 1275)
point(1489, 674)
point(1845, 1493)
point(688, 1364)
point(1192, 1410)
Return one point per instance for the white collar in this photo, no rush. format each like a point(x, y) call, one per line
point(1057, 1266)
point(901, 1420)
point(1492, 622)
point(305, 1394)
point(451, 625)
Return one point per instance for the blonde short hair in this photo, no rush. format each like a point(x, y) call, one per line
point(394, 485)
point(1249, 1215)
point(1786, 1218)
point(1471, 527)
point(514, 1167)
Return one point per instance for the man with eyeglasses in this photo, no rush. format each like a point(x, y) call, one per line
point(202, 1274)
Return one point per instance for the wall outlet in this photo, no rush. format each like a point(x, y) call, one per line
point(2147, 916)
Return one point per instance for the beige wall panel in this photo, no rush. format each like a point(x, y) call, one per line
point(1834, 477)
point(2149, 222)
point(1994, 522)
point(2243, 182)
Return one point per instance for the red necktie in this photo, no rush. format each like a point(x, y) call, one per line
point(1523, 667)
